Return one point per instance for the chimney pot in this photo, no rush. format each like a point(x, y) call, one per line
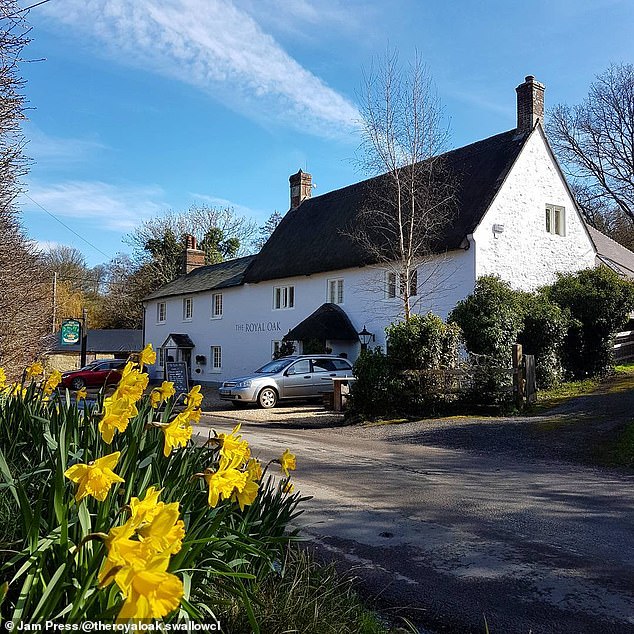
point(301, 188)
point(530, 104)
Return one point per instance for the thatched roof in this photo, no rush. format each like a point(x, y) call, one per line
point(315, 237)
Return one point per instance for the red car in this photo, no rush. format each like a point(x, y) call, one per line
point(95, 374)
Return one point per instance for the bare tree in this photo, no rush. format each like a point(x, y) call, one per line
point(595, 141)
point(411, 203)
point(24, 296)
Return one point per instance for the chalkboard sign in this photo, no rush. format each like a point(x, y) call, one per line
point(176, 372)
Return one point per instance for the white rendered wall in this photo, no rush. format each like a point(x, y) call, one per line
point(524, 254)
point(249, 324)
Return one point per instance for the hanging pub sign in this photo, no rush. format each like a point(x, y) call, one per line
point(70, 333)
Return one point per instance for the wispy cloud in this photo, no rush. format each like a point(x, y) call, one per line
point(52, 151)
point(217, 47)
point(97, 204)
point(241, 210)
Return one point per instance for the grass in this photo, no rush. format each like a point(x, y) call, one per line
point(305, 597)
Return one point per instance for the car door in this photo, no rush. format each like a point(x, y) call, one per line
point(97, 376)
point(323, 371)
point(297, 380)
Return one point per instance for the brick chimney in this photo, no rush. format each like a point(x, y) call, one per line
point(301, 188)
point(194, 257)
point(530, 104)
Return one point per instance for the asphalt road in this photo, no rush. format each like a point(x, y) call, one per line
point(450, 537)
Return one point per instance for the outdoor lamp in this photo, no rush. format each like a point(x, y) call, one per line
point(364, 337)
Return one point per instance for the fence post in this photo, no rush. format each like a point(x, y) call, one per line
point(517, 375)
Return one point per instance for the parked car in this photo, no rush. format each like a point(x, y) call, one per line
point(95, 374)
point(295, 377)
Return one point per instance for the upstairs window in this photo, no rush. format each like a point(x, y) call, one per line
point(335, 291)
point(556, 220)
point(391, 284)
point(161, 312)
point(188, 308)
point(216, 306)
point(283, 297)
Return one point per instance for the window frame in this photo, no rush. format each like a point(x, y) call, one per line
point(555, 220)
point(284, 297)
point(161, 312)
point(213, 366)
point(215, 314)
point(188, 302)
point(335, 293)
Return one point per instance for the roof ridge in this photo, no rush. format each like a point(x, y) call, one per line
point(351, 186)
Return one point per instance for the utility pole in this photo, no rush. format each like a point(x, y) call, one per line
point(54, 299)
point(84, 337)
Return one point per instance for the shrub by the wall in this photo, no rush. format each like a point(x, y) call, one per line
point(373, 393)
point(543, 334)
point(490, 318)
point(422, 343)
point(598, 301)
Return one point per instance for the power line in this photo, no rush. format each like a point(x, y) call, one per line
point(37, 4)
point(64, 224)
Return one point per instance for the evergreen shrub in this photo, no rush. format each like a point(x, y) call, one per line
point(599, 302)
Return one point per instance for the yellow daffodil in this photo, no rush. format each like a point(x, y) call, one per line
point(95, 478)
point(177, 433)
point(147, 356)
point(81, 393)
point(165, 532)
point(52, 382)
point(254, 469)
point(233, 447)
point(155, 398)
point(116, 416)
point(132, 383)
point(16, 389)
point(194, 398)
point(145, 509)
point(224, 482)
point(287, 462)
point(247, 495)
point(288, 488)
point(35, 369)
point(160, 394)
point(3, 379)
point(152, 592)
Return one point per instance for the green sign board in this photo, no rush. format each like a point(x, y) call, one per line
point(70, 333)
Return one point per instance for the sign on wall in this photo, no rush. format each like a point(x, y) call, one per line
point(70, 333)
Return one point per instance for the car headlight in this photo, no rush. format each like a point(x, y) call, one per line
point(243, 384)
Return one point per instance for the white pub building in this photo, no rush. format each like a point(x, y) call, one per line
point(312, 282)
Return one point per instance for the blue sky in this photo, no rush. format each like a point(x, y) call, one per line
point(144, 106)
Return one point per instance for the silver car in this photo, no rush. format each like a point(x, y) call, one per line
point(296, 377)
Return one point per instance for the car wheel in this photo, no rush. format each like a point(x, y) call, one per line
point(77, 383)
point(267, 398)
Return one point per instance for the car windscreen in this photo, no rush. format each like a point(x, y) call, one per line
point(275, 366)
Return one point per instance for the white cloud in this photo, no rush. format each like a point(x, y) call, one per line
point(241, 210)
point(217, 47)
point(46, 245)
point(51, 151)
point(97, 204)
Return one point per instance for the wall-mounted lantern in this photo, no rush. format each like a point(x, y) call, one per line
point(365, 337)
